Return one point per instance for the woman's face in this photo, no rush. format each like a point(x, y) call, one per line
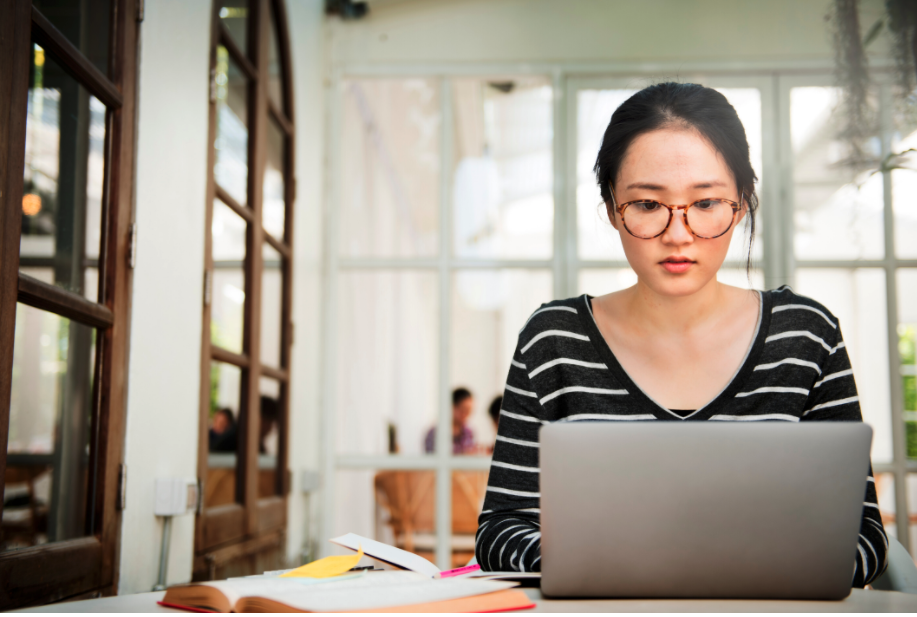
point(675, 167)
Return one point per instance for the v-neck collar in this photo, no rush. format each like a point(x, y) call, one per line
point(706, 411)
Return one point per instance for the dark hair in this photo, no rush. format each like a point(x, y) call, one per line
point(459, 395)
point(226, 411)
point(494, 409)
point(270, 408)
point(676, 105)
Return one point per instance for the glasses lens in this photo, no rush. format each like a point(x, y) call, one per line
point(646, 219)
point(709, 218)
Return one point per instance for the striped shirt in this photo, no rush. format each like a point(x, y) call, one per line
point(796, 370)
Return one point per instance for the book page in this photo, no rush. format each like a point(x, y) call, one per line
point(380, 590)
point(387, 553)
point(238, 588)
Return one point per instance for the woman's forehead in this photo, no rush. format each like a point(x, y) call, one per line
point(673, 158)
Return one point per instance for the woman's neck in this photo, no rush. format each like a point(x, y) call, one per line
point(653, 313)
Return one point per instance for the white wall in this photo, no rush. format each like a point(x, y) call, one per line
point(306, 19)
point(163, 399)
point(163, 393)
point(588, 31)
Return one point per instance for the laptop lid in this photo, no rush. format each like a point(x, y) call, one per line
point(705, 510)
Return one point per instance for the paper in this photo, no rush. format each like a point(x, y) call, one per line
point(388, 554)
point(380, 590)
point(327, 567)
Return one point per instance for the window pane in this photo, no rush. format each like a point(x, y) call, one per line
point(63, 174)
point(228, 291)
point(394, 506)
point(904, 185)
point(857, 298)
point(387, 361)
point(907, 349)
point(601, 281)
point(231, 168)
point(747, 103)
point(741, 278)
point(274, 204)
point(274, 64)
point(225, 409)
point(85, 23)
point(389, 168)
point(885, 489)
point(597, 239)
point(234, 15)
point(904, 200)
point(468, 489)
point(271, 306)
point(488, 309)
point(502, 184)
point(834, 217)
point(269, 437)
point(47, 472)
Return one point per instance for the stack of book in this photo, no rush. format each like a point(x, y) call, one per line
point(410, 584)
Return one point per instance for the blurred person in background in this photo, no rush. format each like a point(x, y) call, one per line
point(222, 430)
point(462, 436)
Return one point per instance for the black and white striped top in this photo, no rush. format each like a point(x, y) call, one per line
point(796, 369)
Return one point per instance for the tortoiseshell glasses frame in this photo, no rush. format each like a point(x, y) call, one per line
point(736, 207)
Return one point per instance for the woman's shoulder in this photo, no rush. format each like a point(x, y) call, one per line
point(558, 314)
point(799, 310)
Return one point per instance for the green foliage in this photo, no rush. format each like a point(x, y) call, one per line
point(907, 349)
point(910, 429)
point(214, 388)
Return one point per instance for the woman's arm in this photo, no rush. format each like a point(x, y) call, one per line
point(509, 536)
point(834, 397)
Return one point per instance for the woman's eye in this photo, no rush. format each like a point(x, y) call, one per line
point(707, 204)
point(647, 206)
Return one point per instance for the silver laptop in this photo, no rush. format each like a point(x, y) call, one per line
point(704, 510)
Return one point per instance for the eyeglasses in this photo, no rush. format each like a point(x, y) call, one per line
point(647, 219)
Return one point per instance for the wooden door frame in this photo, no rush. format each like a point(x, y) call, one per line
point(55, 571)
point(253, 524)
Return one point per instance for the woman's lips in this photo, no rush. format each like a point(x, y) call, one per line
point(677, 265)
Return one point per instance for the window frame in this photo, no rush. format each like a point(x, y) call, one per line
point(58, 570)
point(251, 524)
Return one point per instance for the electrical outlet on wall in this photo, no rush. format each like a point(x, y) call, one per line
point(175, 496)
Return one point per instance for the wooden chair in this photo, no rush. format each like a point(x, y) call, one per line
point(36, 520)
point(409, 500)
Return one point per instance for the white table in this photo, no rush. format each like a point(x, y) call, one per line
point(859, 601)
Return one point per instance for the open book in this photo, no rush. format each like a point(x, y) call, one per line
point(409, 561)
point(389, 591)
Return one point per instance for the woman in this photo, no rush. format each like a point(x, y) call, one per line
point(678, 345)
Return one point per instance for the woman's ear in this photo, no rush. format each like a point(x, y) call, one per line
point(743, 208)
point(610, 210)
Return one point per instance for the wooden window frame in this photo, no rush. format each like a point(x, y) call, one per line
point(253, 524)
point(59, 570)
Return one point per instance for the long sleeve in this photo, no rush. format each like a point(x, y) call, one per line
point(834, 398)
point(509, 536)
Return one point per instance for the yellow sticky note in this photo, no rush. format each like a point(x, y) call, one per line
point(327, 567)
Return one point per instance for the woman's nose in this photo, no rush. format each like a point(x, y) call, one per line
point(678, 232)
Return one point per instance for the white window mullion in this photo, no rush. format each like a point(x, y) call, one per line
point(444, 422)
point(899, 438)
point(334, 106)
point(563, 115)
